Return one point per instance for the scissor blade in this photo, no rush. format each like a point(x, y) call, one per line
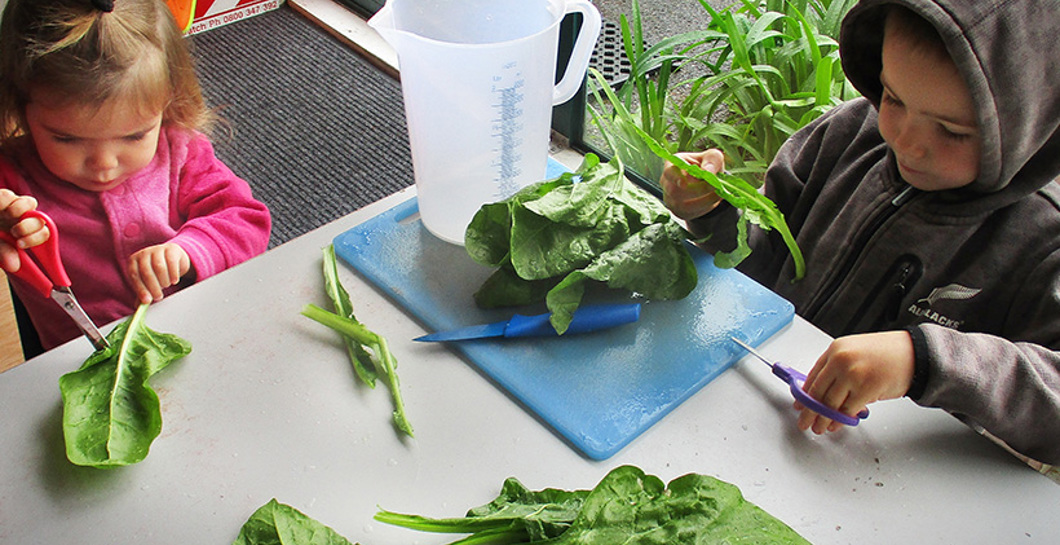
point(65, 298)
point(472, 332)
point(752, 351)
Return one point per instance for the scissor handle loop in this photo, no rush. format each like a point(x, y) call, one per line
point(796, 379)
point(47, 254)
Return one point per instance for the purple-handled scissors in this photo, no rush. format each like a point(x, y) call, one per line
point(796, 379)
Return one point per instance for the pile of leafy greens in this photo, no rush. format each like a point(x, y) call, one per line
point(110, 414)
point(276, 523)
point(627, 507)
point(551, 237)
point(369, 352)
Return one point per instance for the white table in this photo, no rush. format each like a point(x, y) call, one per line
point(267, 406)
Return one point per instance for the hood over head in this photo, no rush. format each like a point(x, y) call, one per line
point(1008, 53)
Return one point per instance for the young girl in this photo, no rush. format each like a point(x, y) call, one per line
point(100, 112)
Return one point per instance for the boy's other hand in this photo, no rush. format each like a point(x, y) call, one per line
point(857, 370)
point(684, 195)
point(156, 268)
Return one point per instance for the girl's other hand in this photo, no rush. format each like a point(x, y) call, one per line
point(156, 268)
point(685, 196)
point(857, 370)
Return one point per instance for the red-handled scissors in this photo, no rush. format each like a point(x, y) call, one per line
point(50, 278)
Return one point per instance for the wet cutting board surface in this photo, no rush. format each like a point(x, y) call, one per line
point(600, 390)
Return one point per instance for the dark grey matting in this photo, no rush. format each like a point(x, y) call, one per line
point(316, 130)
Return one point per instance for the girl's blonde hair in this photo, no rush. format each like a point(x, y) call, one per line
point(73, 53)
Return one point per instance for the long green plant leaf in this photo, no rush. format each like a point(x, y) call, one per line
point(361, 360)
point(385, 359)
point(110, 413)
point(757, 208)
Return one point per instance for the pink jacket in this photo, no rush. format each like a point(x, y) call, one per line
point(185, 195)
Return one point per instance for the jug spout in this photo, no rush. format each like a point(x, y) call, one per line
point(383, 23)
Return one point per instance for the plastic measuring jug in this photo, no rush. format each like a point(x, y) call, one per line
point(478, 81)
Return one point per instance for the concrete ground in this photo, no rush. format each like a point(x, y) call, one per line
point(661, 18)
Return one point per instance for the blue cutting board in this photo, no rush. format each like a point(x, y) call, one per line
point(599, 390)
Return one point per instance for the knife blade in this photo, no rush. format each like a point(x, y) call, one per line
point(586, 319)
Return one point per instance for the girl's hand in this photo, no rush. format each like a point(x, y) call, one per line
point(690, 203)
point(28, 232)
point(857, 370)
point(156, 268)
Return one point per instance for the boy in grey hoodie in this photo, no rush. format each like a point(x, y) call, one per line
point(929, 215)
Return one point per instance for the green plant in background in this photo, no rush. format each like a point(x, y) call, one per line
point(762, 71)
point(643, 93)
point(775, 67)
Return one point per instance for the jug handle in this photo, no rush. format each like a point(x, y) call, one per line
point(582, 51)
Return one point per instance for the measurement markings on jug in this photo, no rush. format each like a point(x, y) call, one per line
point(507, 128)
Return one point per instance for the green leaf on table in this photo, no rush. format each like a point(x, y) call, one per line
point(110, 413)
point(382, 357)
point(627, 506)
point(276, 523)
point(519, 513)
point(362, 362)
point(631, 507)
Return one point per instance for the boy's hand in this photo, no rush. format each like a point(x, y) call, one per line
point(156, 268)
point(29, 232)
point(857, 370)
point(685, 202)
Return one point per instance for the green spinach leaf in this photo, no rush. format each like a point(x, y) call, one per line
point(632, 265)
point(627, 506)
point(110, 414)
point(631, 507)
point(592, 224)
point(519, 514)
point(505, 288)
point(276, 523)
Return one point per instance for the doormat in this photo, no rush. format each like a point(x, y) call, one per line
point(316, 129)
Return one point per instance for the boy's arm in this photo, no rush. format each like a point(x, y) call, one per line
point(224, 224)
point(1009, 387)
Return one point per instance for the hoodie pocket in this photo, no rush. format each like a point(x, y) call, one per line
point(883, 305)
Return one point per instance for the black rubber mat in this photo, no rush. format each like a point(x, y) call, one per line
point(316, 130)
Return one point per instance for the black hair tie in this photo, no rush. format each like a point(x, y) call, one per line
point(104, 5)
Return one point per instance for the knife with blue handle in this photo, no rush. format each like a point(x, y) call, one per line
point(586, 319)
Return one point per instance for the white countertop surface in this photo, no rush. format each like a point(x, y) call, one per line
point(267, 406)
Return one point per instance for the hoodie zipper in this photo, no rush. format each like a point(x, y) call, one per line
point(903, 197)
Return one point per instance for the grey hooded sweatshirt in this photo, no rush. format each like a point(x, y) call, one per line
point(972, 273)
